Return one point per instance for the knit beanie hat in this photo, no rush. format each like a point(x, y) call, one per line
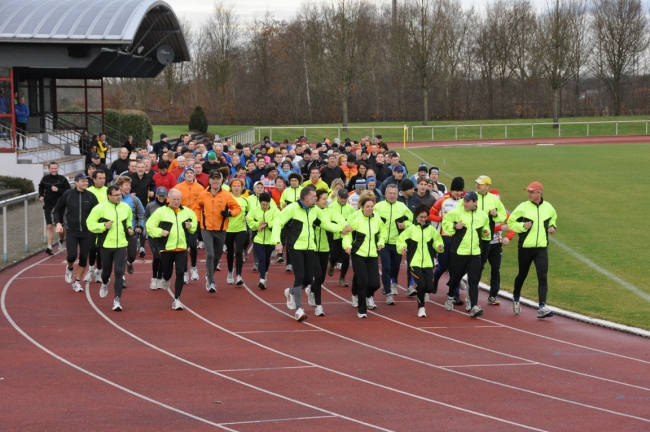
point(457, 184)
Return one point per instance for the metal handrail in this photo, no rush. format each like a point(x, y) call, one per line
point(243, 137)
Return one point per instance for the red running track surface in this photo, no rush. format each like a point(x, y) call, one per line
point(237, 360)
point(635, 139)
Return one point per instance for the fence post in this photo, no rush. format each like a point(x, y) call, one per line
point(616, 127)
point(480, 133)
point(646, 128)
point(506, 131)
point(456, 133)
point(559, 129)
point(4, 234)
point(532, 130)
point(431, 133)
point(588, 128)
point(373, 132)
point(26, 225)
point(44, 231)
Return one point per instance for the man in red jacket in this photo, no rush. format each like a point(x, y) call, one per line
point(163, 177)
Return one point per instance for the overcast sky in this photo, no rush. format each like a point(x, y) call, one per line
point(197, 10)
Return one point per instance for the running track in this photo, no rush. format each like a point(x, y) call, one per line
point(633, 139)
point(236, 360)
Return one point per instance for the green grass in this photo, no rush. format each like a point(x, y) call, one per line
point(174, 131)
point(443, 130)
point(599, 195)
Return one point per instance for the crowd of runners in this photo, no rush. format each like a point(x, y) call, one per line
point(314, 208)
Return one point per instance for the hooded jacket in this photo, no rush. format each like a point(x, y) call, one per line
point(166, 218)
point(120, 214)
point(467, 241)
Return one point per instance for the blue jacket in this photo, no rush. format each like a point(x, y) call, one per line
point(22, 112)
point(137, 210)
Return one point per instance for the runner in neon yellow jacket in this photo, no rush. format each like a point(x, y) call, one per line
point(421, 242)
point(342, 207)
point(467, 225)
point(533, 220)
point(261, 221)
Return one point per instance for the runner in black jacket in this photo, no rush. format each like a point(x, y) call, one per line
point(75, 206)
point(50, 189)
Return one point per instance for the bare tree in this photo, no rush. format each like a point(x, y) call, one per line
point(621, 35)
point(347, 25)
point(556, 35)
point(222, 33)
point(417, 44)
point(522, 59)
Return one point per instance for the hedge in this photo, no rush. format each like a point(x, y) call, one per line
point(131, 122)
point(198, 120)
point(25, 186)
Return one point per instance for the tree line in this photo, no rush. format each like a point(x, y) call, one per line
point(416, 60)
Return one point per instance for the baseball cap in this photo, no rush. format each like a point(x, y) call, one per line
point(471, 196)
point(534, 186)
point(94, 156)
point(215, 174)
point(398, 168)
point(161, 191)
point(423, 167)
point(342, 193)
point(80, 176)
point(484, 180)
point(495, 192)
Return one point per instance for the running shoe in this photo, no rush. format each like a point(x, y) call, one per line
point(291, 301)
point(116, 304)
point(426, 297)
point(48, 250)
point(154, 284)
point(129, 267)
point(394, 290)
point(230, 279)
point(97, 275)
point(280, 260)
point(463, 284)
point(103, 289)
point(319, 311)
point(289, 268)
point(343, 283)
point(468, 304)
point(360, 315)
point(177, 305)
point(68, 275)
point(330, 270)
point(338, 266)
point(390, 300)
point(449, 303)
point(254, 269)
point(194, 273)
point(165, 284)
point(200, 245)
point(61, 245)
point(422, 313)
point(262, 284)
point(516, 307)
point(239, 280)
point(311, 298)
point(186, 278)
point(211, 287)
point(142, 252)
point(355, 301)
point(458, 301)
point(476, 312)
point(493, 301)
point(124, 282)
point(411, 291)
point(225, 248)
point(89, 276)
point(300, 315)
point(218, 267)
point(544, 312)
point(370, 303)
point(76, 286)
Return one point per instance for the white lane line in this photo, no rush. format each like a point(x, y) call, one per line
point(265, 369)
point(276, 331)
point(475, 377)
point(512, 356)
point(601, 270)
point(569, 315)
point(463, 327)
point(87, 372)
point(352, 377)
point(279, 420)
point(490, 365)
point(229, 378)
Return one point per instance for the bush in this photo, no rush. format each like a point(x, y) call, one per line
point(198, 120)
point(131, 122)
point(25, 186)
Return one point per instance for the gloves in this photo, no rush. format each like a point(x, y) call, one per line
point(226, 212)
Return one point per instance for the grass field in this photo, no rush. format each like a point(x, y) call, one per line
point(443, 130)
point(599, 195)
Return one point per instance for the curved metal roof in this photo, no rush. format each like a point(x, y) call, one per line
point(119, 22)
